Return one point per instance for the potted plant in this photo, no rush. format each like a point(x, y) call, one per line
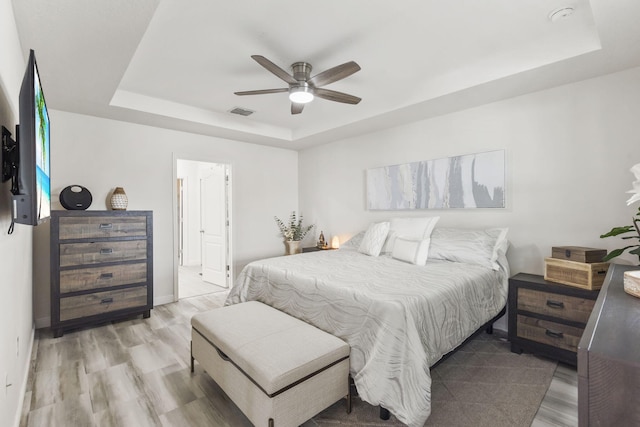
point(293, 232)
point(634, 228)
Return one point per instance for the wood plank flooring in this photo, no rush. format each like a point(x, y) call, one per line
point(136, 373)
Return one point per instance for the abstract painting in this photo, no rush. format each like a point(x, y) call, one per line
point(468, 181)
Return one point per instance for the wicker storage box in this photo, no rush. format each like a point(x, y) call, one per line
point(578, 253)
point(579, 274)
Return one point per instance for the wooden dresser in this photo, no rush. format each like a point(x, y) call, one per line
point(101, 267)
point(609, 357)
point(547, 318)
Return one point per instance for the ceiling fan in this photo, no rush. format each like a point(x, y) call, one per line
point(302, 87)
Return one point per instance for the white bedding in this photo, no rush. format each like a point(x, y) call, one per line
point(398, 318)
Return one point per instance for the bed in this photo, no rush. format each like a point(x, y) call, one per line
point(399, 318)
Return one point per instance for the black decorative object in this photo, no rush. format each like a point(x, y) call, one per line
point(75, 198)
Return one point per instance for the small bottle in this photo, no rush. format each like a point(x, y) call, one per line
point(321, 242)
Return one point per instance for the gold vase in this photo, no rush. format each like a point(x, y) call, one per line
point(293, 247)
point(119, 200)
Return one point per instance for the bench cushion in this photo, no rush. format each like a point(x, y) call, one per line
point(271, 347)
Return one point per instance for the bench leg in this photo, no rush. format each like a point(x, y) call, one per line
point(349, 401)
point(192, 368)
point(384, 413)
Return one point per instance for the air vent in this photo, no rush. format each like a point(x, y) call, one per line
point(241, 111)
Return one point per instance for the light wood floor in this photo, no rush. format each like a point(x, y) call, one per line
point(190, 283)
point(136, 373)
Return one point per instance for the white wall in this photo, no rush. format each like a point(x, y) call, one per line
point(103, 154)
point(16, 314)
point(569, 150)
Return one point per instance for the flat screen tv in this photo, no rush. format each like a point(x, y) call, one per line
point(32, 194)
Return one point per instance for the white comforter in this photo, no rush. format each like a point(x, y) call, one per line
point(398, 318)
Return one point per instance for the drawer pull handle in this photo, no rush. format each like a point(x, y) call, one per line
point(223, 356)
point(106, 276)
point(106, 301)
point(106, 251)
point(554, 334)
point(106, 226)
point(555, 304)
point(602, 272)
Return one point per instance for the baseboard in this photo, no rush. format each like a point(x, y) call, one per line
point(166, 299)
point(25, 380)
point(43, 322)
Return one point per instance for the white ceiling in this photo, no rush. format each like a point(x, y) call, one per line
point(176, 63)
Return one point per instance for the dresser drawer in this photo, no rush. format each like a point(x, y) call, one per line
point(77, 254)
point(102, 277)
point(550, 333)
point(102, 302)
point(102, 226)
point(557, 305)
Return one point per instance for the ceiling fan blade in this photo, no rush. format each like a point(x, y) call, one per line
point(262, 91)
point(296, 108)
point(334, 74)
point(273, 68)
point(332, 95)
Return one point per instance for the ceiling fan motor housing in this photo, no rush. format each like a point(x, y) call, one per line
point(301, 71)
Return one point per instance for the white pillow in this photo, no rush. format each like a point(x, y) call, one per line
point(374, 238)
point(418, 228)
point(480, 247)
point(353, 243)
point(413, 251)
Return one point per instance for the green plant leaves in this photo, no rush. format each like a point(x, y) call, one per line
point(616, 231)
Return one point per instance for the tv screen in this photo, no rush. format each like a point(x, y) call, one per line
point(32, 203)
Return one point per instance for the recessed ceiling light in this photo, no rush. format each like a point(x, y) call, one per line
point(560, 13)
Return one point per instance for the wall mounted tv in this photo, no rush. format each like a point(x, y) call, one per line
point(27, 160)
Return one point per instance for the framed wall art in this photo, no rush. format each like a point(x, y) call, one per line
point(467, 181)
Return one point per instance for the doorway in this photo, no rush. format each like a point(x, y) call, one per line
point(203, 228)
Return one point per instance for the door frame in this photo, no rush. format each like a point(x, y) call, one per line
point(174, 214)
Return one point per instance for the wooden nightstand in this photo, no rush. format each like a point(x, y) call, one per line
point(547, 318)
point(315, 249)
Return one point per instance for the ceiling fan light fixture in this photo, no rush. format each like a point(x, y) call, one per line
point(301, 95)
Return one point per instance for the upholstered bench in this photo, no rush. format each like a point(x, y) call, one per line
point(279, 370)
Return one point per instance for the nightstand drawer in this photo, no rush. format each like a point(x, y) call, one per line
point(82, 279)
point(549, 333)
point(102, 226)
point(102, 302)
point(72, 254)
point(561, 306)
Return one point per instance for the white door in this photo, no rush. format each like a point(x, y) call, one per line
point(213, 229)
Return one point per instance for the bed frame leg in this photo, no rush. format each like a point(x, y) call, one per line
point(490, 329)
point(384, 413)
point(192, 367)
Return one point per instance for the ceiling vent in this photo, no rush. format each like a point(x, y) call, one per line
point(241, 111)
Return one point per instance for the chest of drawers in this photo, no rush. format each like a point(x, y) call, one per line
point(547, 318)
point(101, 267)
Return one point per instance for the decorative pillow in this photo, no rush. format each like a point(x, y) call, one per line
point(374, 239)
point(418, 228)
point(353, 243)
point(413, 251)
point(480, 247)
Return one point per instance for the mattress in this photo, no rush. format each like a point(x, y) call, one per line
point(398, 318)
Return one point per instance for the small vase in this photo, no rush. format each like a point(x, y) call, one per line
point(293, 247)
point(119, 201)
